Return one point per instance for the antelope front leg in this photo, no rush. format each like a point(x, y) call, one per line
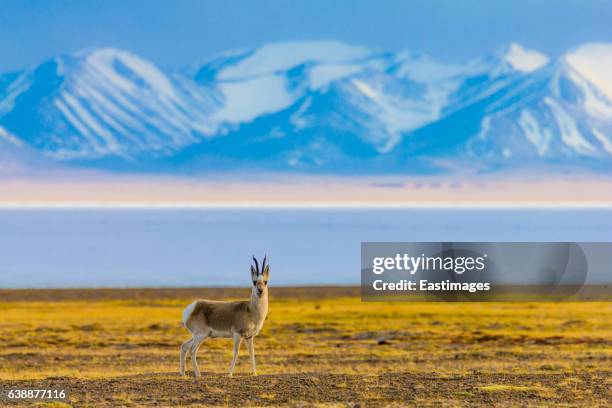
point(237, 341)
point(251, 346)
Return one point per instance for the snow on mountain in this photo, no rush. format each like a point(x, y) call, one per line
point(280, 57)
point(524, 60)
point(316, 106)
point(8, 138)
point(243, 101)
point(379, 98)
point(594, 63)
point(553, 114)
point(266, 80)
point(329, 110)
point(104, 102)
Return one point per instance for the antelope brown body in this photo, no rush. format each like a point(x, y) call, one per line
point(237, 320)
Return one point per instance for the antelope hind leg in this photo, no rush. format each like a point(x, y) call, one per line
point(183, 355)
point(195, 345)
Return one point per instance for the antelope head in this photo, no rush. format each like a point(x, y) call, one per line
point(260, 277)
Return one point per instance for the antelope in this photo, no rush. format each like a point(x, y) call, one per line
point(237, 320)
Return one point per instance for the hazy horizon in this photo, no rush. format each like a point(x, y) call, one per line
point(129, 191)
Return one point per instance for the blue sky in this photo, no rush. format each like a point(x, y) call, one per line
point(176, 33)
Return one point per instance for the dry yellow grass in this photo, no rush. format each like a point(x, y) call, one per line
point(348, 351)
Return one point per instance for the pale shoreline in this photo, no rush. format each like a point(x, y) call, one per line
point(306, 192)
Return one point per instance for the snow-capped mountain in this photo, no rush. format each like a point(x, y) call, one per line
point(315, 106)
point(104, 103)
point(556, 113)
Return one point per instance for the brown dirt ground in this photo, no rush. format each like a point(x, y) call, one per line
point(307, 389)
point(319, 347)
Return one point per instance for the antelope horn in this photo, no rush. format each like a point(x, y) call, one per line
point(256, 265)
point(263, 264)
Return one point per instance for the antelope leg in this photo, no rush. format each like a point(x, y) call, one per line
point(237, 341)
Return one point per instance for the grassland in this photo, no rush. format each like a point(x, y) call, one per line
point(319, 346)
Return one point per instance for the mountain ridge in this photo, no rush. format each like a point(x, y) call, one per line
point(315, 107)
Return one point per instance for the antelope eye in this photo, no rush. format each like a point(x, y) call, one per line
point(266, 283)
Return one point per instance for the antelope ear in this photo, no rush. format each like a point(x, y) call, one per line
point(253, 273)
point(266, 272)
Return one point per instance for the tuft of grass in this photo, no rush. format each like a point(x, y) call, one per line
point(504, 387)
point(514, 388)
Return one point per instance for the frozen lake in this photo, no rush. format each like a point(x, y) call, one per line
point(213, 247)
